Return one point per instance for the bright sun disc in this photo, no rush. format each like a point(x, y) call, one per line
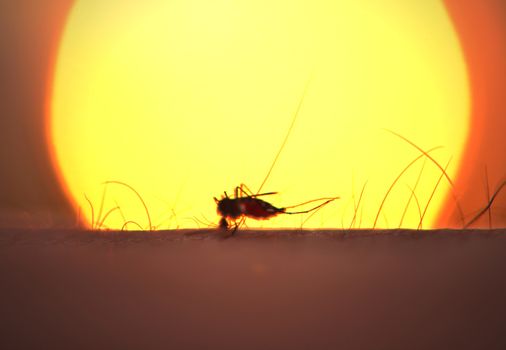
point(185, 99)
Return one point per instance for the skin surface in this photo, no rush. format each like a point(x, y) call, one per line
point(285, 289)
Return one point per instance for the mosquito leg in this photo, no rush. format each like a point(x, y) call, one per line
point(236, 226)
point(246, 192)
point(245, 189)
point(242, 191)
point(312, 209)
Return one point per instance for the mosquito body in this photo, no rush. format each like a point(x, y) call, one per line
point(244, 205)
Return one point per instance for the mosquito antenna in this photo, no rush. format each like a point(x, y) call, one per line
point(287, 134)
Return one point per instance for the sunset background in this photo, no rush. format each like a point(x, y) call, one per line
point(68, 288)
point(33, 194)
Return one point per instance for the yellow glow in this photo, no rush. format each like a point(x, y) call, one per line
point(184, 99)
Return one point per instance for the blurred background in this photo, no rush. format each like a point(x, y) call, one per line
point(30, 192)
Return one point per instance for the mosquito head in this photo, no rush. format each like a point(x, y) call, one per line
point(228, 207)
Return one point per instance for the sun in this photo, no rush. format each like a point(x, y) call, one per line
point(183, 100)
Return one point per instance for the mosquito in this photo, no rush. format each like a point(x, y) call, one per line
point(245, 204)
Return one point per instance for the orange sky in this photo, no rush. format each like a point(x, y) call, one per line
point(30, 31)
point(482, 28)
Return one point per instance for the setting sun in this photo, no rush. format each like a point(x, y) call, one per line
point(185, 99)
